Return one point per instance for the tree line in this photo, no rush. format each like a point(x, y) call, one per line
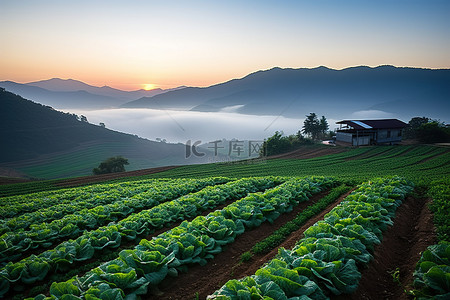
point(426, 131)
point(422, 129)
point(313, 129)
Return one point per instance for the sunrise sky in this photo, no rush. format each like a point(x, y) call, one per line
point(137, 44)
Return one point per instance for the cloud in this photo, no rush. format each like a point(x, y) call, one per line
point(372, 114)
point(180, 126)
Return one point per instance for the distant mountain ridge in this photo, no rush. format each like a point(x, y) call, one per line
point(74, 94)
point(295, 92)
point(70, 85)
point(33, 134)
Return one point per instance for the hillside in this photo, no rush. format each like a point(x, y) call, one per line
point(42, 142)
point(404, 92)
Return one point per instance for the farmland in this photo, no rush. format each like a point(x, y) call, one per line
point(350, 224)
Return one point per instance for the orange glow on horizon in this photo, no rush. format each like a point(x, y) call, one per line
point(149, 86)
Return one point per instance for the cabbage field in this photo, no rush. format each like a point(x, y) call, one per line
point(237, 237)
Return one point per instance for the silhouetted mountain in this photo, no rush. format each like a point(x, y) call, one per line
point(62, 85)
point(62, 99)
point(70, 85)
point(69, 93)
point(31, 131)
point(335, 93)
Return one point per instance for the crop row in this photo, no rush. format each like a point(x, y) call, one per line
point(417, 163)
point(189, 243)
point(325, 261)
point(35, 268)
point(13, 244)
point(278, 236)
point(135, 198)
point(432, 273)
point(99, 201)
point(93, 195)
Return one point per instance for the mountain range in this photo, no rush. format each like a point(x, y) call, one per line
point(383, 91)
point(402, 92)
point(73, 94)
point(41, 142)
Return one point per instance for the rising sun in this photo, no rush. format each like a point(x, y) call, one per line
point(149, 86)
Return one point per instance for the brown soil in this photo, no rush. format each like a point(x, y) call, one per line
point(125, 244)
point(310, 152)
point(204, 280)
point(402, 245)
point(401, 248)
point(8, 178)
point(72, 182)
point(12, 180)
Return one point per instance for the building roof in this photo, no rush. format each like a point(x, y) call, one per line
point(374, 124)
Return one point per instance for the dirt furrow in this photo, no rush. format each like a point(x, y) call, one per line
point(204, 280)
point(77, 181)
point(305, 153)
point(99, 257)
point(402, 245)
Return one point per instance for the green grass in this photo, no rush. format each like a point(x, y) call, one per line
point(419, 163)
point(82, 161)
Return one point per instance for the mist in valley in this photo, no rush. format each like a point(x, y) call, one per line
point(181, 126)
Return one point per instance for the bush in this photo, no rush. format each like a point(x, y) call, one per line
point(278, 143)
point(433, 132)
point(111, 165)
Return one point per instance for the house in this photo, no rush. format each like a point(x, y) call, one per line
point(370, 132)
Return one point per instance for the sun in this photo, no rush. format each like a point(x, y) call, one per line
point(149, 86)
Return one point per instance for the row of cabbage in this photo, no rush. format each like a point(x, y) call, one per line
point(144, 267)
point(14, 243)
point(325, 262)
point(72, 201)
point(36, 267)
point(432, 273)
point(13, 206)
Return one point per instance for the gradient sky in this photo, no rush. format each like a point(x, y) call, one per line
point(126, 44)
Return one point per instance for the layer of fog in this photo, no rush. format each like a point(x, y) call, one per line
point(181, 126)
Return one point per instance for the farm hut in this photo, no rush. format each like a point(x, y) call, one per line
point(370, 132)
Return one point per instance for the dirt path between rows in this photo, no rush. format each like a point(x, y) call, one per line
point(402, 244)
point(129, 244)
point(306, 152)
point(204, 280)
point(77, 181)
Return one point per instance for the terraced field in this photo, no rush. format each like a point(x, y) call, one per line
point(415, 162)
point(348, 227)
point(418, 163)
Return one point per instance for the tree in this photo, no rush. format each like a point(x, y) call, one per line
point(413, 125)
point(323, 126)
point(278, 143)
point(311, 126)
point(427, 130)
point(275, 144)
point(433, 132)
point(111, 165)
